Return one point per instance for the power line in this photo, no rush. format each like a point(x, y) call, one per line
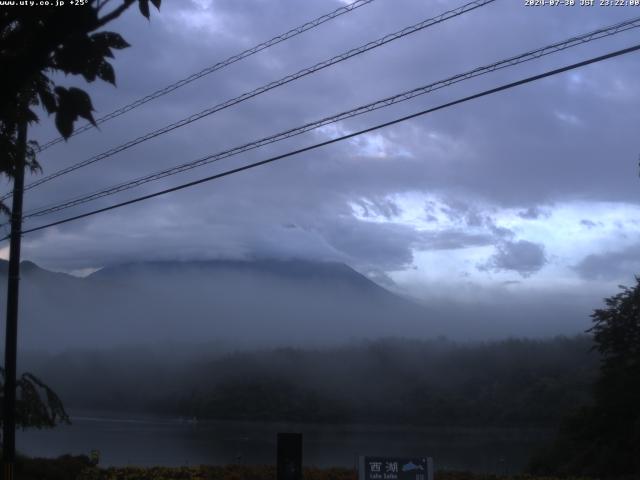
point(289, 78)
point(218, 66)
point(401, 97)
point(341, 138)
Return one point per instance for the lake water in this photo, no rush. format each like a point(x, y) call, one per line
point(143, 440)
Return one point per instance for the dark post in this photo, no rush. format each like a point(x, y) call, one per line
point(289, 456)
point(11, 339)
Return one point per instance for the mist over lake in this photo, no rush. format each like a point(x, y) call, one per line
point(259, 303)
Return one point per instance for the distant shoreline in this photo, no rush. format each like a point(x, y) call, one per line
point(115, 416)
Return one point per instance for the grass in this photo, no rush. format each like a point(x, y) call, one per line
point(80, 468)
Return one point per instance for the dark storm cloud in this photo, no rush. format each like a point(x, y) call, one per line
point(588, 223)
point(470, 216)
point(462, 212)
point(522, 256)
point(611, 265)
point(453, 239)
point(532, 213)
point(379, 206)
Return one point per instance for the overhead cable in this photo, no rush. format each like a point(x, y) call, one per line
point(265, 88)
point(213, 68)
point(340, 138)
point(385, 102)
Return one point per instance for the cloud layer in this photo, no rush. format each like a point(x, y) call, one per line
point(536, 186)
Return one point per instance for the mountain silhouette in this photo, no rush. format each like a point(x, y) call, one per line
point(239, 303)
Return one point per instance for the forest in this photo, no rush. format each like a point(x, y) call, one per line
point(514, 382)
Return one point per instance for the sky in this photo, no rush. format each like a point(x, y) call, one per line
point(525, 197)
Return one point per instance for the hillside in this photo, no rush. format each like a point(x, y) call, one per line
point(241, 303)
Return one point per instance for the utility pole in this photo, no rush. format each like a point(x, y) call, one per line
point(13, 283)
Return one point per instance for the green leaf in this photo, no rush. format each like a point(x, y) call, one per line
point(85, 55)
point(82, 103)
point(64, 123)
point(73, 55)
point(48, 100)
point(71, 104)
point(110, 39)
point(30, 116)
point(144, 7)
point(106, 73)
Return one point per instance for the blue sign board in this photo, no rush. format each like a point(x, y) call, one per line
point(395, 468)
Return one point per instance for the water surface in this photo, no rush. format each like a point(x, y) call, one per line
point(146, 440)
